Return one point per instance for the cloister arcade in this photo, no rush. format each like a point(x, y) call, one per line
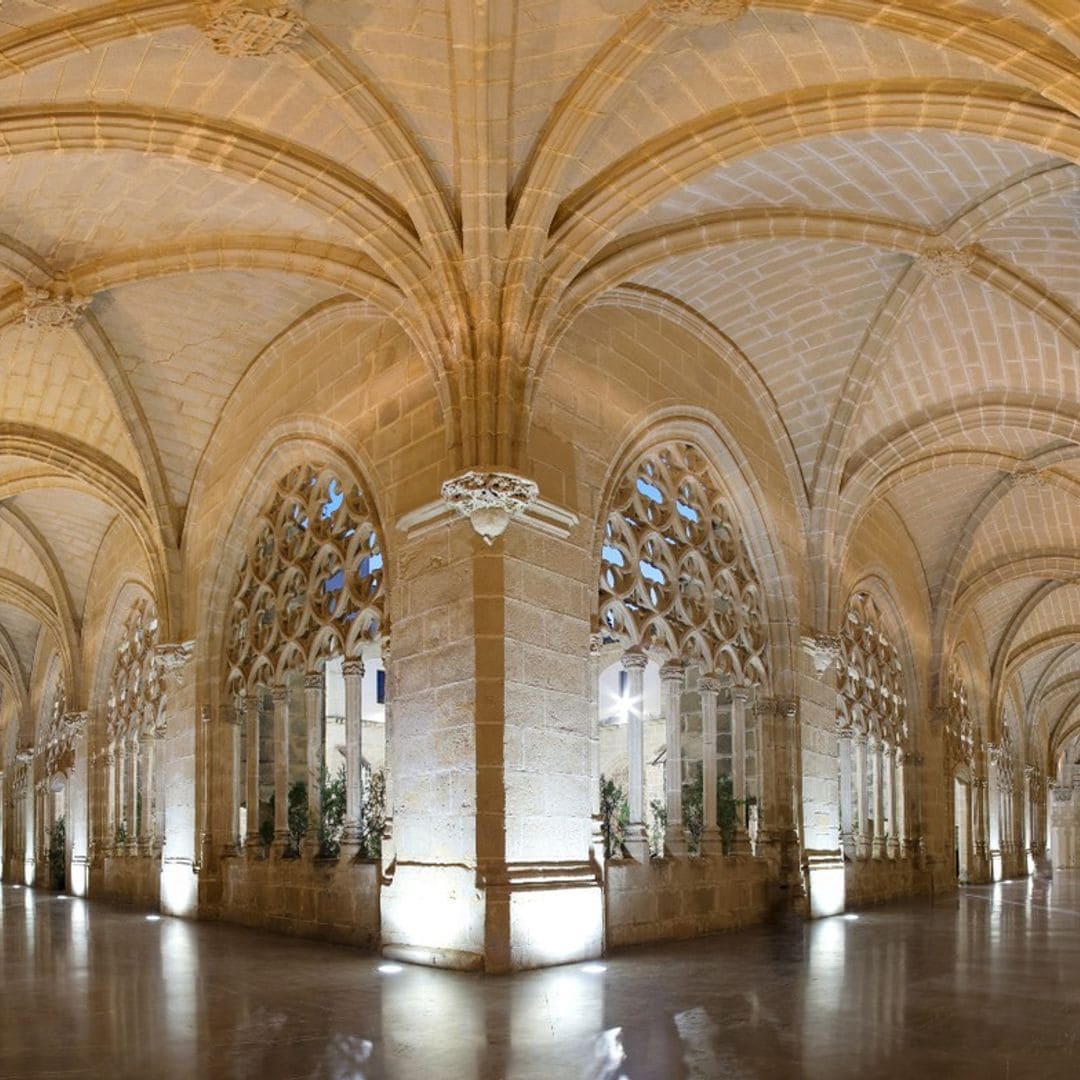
point(494, 483)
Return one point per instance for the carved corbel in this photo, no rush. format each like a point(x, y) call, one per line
point(823, 649)
point(490, 500)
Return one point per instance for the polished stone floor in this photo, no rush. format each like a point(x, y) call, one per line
point(987, 985)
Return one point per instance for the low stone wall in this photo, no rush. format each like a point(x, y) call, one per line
point(666, 899)
point(873, 881)
point(128, 879)
point(326, 900)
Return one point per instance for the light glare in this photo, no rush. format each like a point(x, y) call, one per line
point(389, 969)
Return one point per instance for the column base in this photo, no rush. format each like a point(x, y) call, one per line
point(636, 842)
point(740, 845)
point(712, 842)
point(878, 848)
point(675, 845)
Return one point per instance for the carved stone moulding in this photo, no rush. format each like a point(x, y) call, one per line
point(490, 500)
point(700, 12)
point(54, 307)
point(252, 27)
point(943, 261)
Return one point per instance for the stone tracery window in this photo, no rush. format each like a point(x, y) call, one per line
point(311, 585)
point(677, 586)
point(959, 728)
point(307, 607)
point(135, 718)
point(872, 724)
point(675, 570)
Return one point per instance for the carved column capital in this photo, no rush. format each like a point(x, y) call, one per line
point(313, 680)
point(634, 658)
point(490, 500)
point(596, 643)
point(353, 669)
point(279, 693)
point(775, 707)
point(699, 12)
point(673, 671)
point(710, 684)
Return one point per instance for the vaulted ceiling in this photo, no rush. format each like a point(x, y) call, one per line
point(877, 203)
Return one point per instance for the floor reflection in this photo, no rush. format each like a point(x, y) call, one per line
point(980, 985)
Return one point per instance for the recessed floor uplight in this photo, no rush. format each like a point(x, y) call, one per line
point(389, 969)
point(153, 918)
point(594, 969)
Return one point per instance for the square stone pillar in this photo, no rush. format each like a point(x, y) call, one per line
point(490, 749)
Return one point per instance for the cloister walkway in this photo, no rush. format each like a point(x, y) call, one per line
point(985, 985)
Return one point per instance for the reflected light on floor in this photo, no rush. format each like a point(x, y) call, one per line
point(390, 969)
point(850, 917)
point(153, 918)
point(593, 969)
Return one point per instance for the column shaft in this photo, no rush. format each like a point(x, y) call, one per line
point(672, 678)
point(353, 671)
point(313, 707)
point(637, 834)
point(711, 841)
point(862, 838)
point(251, 740)
point(281, 768)
point(740, 696)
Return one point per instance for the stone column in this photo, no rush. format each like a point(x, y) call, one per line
point(132, 793)
point(280, 695)
point(636, 838)
point(979, 824)
point(1029, 837)
point(711, 840)
point(146, 781)
point(234, 842)
point(109, 801)
point(205, 761)
point(847, 792)
point(672, 680)
point(389, 853)
point(596, 644)
point(251, 739)
point(892, 841)
point(313, 707)
point(351, 838)
point(862, 838)
point(740, 696)
point(878, 849)
point(120, 801)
